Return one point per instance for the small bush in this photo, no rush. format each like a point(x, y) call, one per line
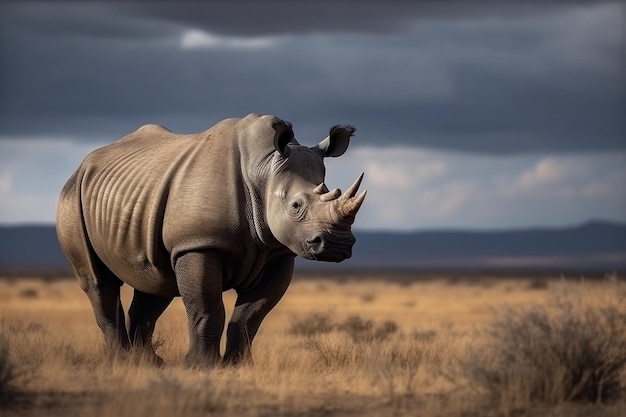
point(363, 330)
point(358, 328)
point(539, 284)
point(332, 351)
point(9, 374)
point(29, 293)
point(341, 344)
point(572, 349)
point(312, 324)
point(368, 297)
point(394, 368)
point(424, 335)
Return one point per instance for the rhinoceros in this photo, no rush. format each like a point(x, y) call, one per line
point(195, 215)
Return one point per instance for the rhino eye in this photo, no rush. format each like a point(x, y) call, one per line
point(297, 208)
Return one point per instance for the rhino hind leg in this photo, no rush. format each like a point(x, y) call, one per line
point(104, 294)
point(95, 278)
point(144, 311)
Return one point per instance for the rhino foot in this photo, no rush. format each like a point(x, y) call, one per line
point(116, 355)
point(197, 361)
point(134, 356)
point(237, 359)
point(145, 356)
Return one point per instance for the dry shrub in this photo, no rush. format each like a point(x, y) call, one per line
point(29, 293)
point(358, 328)
point(333, 351)
point(424, 335)
point(365, 330)
point(571, 349)
point(394, 368)
point(9, 374)
point(368, 297)
point(345, 343)
point(539, 284)
point(312, 324)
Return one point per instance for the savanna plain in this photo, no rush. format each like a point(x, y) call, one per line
point(378, 344)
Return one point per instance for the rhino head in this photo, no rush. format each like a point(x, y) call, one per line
point(302, 213)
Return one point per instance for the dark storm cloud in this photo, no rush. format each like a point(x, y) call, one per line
point(251, 18)
point(75, 19)
point(502, 79)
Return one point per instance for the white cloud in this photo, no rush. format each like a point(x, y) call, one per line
point(546, 172)
point(387, 176)
point(5, 183)
point(568, 177)
point(197, 39)
point(32, 173)
point(402, 175)
point(446, 200)
point(399, 167)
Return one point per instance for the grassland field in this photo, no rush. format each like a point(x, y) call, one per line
point(362, 345)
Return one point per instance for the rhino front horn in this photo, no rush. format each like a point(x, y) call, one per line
point(349, 203)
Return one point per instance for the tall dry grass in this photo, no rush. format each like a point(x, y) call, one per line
point(355, 348)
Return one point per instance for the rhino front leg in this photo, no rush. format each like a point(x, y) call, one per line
point(252, 306)
point(144, 311)
point(199, 278)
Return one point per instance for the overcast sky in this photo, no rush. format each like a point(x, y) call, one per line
point(472, 115)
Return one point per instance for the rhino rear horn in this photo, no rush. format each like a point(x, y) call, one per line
point(325, 194)
point(320, 189)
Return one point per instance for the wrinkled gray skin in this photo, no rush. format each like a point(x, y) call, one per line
point(195, 215)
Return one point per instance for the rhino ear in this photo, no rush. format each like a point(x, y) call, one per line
point(283, 135)
point(337, 141)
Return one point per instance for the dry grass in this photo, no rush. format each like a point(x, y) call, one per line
point(359, 347)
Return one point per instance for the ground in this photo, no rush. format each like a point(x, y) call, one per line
point(348, 345)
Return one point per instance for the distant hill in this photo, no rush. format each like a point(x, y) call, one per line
point(591, 246)
point(594, 246)
point(31, 248)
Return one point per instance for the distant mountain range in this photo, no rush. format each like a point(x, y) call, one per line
point(594, 246)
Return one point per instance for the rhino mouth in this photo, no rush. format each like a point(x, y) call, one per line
point(329, 247)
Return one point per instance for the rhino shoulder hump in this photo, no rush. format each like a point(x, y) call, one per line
point(152, 127)
point(150, 130)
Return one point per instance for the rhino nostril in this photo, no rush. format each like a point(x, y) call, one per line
point(316, 240)
point(316, 243)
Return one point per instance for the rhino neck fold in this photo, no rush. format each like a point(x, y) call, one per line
point(254, 172)
point(255, 214)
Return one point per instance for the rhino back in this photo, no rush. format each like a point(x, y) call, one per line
point(154, 193)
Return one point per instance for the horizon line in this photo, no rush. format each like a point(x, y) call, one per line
point(451, 229)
